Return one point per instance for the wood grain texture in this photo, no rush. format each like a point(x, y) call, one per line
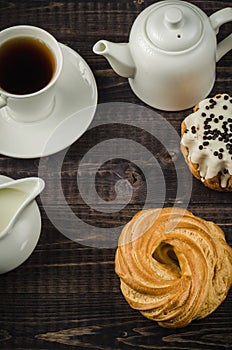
point(67, 295)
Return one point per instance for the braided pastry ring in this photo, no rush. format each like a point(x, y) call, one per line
point(174, 267)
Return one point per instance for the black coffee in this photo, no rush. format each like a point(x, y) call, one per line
point(26, 65)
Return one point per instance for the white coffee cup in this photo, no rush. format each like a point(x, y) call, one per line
point(31, 107)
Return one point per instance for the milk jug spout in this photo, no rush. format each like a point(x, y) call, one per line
point(14, 198)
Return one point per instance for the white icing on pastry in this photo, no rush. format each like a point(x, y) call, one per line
point(208, 138)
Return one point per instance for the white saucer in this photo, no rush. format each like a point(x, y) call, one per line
point(75, 105)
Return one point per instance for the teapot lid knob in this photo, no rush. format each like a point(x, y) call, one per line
point(173, 17)
point(174, 25)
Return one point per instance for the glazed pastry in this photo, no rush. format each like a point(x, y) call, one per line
point(207, 142)
point(174, 267)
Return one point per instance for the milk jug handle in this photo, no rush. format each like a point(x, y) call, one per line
point(217, 19)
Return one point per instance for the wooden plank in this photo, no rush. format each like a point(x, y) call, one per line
point(67, 295)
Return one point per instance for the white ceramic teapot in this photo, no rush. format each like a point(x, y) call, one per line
point(171, 55)
point(20, 221)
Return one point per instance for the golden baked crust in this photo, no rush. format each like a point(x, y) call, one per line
point(173, 266)
point(214, 182)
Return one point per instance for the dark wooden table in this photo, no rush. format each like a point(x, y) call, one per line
point(67, 295)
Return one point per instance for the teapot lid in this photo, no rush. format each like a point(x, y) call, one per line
point(174, 26)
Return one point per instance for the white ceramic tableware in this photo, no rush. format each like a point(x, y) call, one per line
point(75, 104)
point(37, 105)
point(20, 221)
point(171, 55)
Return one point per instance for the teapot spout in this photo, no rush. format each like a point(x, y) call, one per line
point(118, 56)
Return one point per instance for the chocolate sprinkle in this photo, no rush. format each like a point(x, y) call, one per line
point(193, 129)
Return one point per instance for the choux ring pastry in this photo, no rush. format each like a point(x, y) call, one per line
point(174, 267)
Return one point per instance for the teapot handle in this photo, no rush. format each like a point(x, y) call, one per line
point(217, 19)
